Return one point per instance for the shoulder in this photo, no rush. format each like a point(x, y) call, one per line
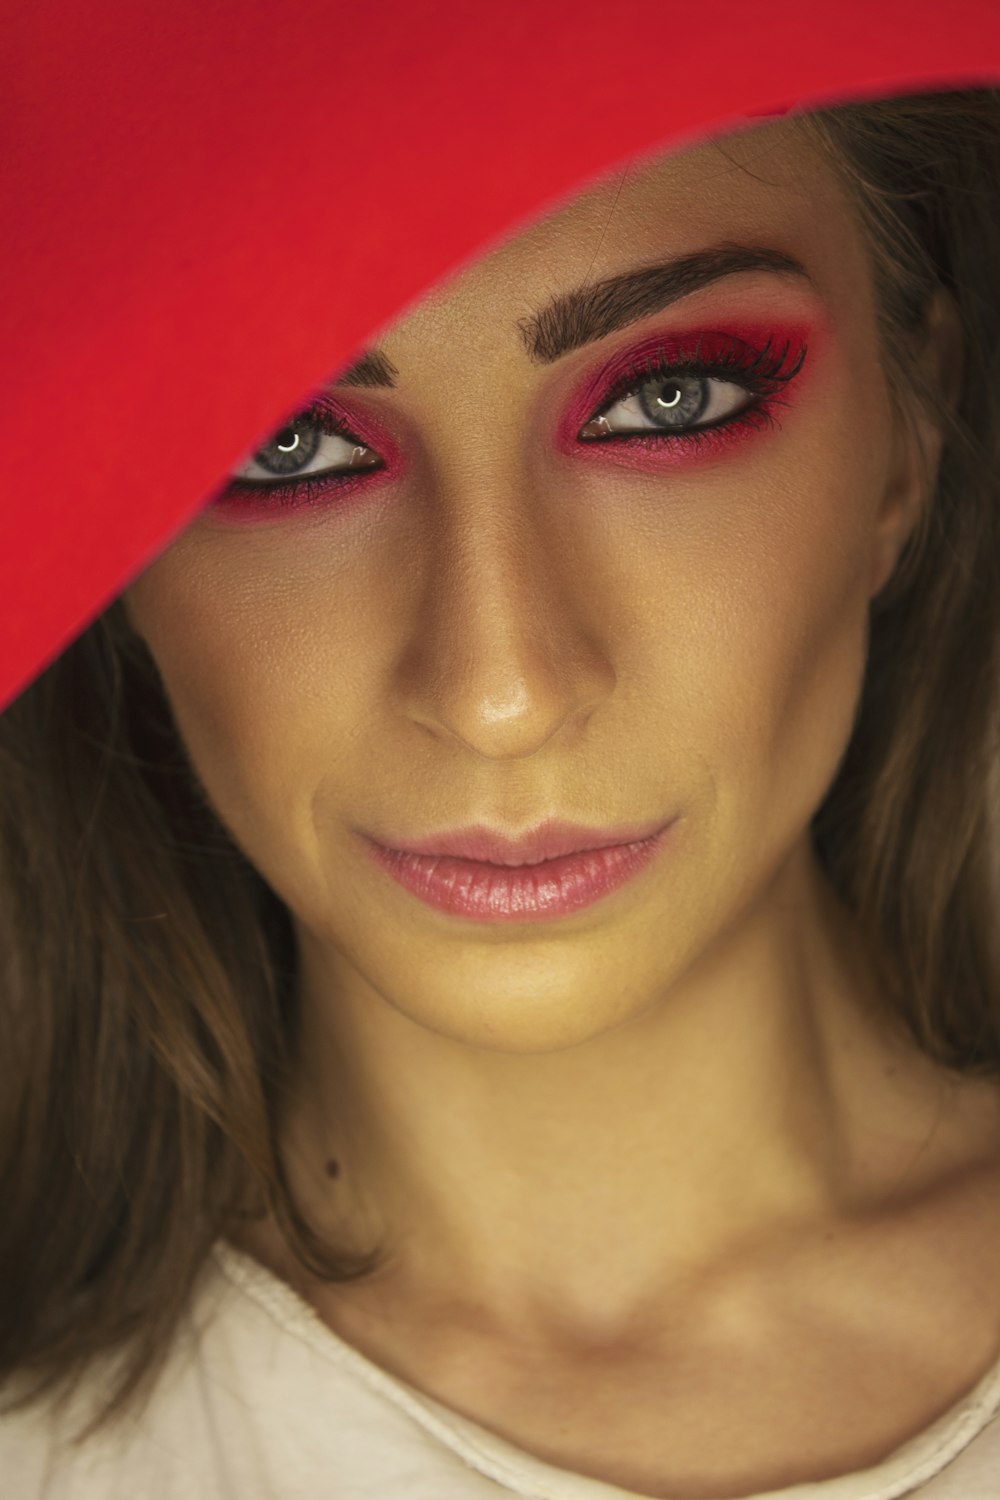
point(255, 1398)
point(157, 1445)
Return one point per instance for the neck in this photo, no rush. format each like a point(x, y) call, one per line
point(738, 1104)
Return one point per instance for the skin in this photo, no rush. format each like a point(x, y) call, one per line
point(666, 1139)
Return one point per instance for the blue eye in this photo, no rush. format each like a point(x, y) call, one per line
point(671, 402)
point(310, 444)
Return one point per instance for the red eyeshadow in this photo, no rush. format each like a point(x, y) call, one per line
point(247, 503)
point(727, 351)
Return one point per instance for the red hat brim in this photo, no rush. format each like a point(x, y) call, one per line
point(209, 208)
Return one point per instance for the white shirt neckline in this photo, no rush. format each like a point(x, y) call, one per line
point(909, 1466)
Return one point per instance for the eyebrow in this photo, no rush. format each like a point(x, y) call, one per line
point(373, 368)
point(579, 317)
point(588, 313)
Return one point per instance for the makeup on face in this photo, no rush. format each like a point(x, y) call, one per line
point(675, 374)
point(690, 393)
point(674, 397)
point(324, 453)
point(485, 891)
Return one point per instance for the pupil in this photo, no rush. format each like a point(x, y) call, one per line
point(676, 401)
point(291, 449)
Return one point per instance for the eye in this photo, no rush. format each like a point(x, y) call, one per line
point(671, 403)
point(311, 444)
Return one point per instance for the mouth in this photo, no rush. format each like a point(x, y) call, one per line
point(549, 840)
point(507, 886)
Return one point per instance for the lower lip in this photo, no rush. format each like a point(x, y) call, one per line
point(518, 893)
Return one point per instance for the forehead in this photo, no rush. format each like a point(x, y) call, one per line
point(769, 185)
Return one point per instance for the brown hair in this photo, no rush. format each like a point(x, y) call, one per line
point(148, 971)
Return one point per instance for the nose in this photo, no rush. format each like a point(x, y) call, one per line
point(505, 649)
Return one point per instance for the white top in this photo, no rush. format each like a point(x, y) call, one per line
point(261, 1401)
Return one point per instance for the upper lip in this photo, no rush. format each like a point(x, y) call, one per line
point(549, 840)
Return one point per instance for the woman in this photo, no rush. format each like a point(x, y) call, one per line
point(396, 1158)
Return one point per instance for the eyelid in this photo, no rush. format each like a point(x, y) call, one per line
point(331, 419)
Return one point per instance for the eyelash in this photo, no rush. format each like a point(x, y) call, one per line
point(762, 372)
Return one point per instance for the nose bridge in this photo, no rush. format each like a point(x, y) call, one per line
point(505, 650)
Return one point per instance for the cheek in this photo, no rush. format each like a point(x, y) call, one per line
point(754, 585)
point(240, 669)
point(778, 639)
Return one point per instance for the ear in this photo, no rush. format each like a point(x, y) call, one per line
point(919, 432)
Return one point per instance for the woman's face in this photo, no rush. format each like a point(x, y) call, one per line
point(507, 610)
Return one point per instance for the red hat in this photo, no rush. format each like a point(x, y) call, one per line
point(209, 208)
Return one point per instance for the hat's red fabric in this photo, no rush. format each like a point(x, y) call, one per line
point(208, 207)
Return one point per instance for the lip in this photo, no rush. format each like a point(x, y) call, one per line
point(550, 840)
point(492, 891)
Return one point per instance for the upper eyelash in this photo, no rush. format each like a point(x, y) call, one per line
point(764, 373)
point(325, 415)
point(328, 420)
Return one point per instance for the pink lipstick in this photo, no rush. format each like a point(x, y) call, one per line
point(557, 869)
